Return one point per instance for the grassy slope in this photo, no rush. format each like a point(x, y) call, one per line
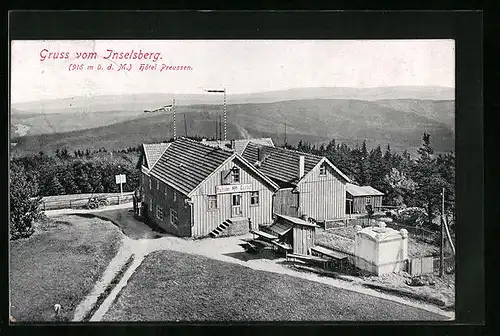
point(59, 264)
point(311, 120)
point(171, 286)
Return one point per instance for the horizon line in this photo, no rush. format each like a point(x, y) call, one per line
point(241, 93)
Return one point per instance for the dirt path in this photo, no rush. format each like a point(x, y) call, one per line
point(223, 249)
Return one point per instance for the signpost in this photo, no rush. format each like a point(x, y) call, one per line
point(120, 179)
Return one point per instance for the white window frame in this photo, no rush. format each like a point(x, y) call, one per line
point(150, 183)
point(157, 184)
point(322, 170)
point(211, 199)
point(166, 190)
point(175, 196)
point(159, 212)
point(236, 171)
point(253, 195)
point(173, 214)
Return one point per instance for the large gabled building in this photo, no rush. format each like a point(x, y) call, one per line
point(195, 190)
point(309, 184)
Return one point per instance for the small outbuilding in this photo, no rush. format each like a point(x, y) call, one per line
point(357, 197)
point(294, 234)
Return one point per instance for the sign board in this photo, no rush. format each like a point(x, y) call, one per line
point(232, 188)
point(120, 178)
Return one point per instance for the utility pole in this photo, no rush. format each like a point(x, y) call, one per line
point(285, 132)
point(441, 246)
point(225, 113)
point(225, 116)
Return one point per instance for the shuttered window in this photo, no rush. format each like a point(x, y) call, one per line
point(225, 176)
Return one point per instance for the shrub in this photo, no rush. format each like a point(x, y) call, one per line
point(413, 216)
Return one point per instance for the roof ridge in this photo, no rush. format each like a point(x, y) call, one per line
point(204, 144)
point(293, 151)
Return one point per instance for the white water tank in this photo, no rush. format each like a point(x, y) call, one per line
point(380, 250)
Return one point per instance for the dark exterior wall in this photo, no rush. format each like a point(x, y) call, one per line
point(303, 239)
point(163, 197)
point(359, 202)
point(286, 202)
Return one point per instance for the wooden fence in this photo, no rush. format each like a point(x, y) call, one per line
point(449, 264)
point(418, 266)
point(76, 203)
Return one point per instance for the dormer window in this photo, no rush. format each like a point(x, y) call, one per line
point(322, 170)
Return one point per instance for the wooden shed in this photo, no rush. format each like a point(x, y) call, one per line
point(357, 197)
point(294, 232)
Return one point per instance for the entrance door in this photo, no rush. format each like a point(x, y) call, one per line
point(236, 205)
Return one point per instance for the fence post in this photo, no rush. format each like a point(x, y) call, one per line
point(43, 205)
point(118, 199)
point(70, 205)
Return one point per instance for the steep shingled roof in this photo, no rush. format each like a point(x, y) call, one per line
point(153, 152)
point(186, 163)
point(280, 164)
point(356, 190)
point(239, 144)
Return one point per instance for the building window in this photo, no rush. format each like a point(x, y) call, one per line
point(212, 202)
point(173, 217)
point(159, 212)
point(235, 175)
point(175, 196)
point(254, 198)
point(322, 170)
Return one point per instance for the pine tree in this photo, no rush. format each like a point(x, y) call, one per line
point(54, 187)
point(68, 181)
point(429, 182)
point(376, 169)
point(24, 209)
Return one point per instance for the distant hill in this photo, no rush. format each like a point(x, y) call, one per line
point(140, 102)
point(439, 110)
point(312, 120)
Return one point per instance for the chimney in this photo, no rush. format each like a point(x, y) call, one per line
point(302, 160)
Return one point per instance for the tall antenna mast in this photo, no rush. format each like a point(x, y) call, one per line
point(173, 108)
point(225, 116)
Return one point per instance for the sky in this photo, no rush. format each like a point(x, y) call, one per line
point(237, 65)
